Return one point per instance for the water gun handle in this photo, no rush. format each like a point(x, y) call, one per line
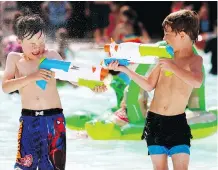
point(48, 64)
point(42, 84)
point(122, 62)
point(89, 83)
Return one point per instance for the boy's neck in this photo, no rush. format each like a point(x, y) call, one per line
point(184, 52)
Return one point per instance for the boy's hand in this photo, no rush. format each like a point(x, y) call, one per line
point(167, 64)
point(115, 66)
point(100, 89)
point(42, 74)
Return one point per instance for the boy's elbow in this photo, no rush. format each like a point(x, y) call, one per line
point(5, 88)
point(150, 87)
point(198, 82)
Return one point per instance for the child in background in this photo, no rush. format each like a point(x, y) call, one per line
point(211, 45)
point(130, 29)
point(113, 17)
point(10, 43)
point(204, 18)
point(98, 11)
point(120, 117)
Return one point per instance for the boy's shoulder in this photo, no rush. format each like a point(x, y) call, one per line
point(196, 60)
point(52, 54)
point(14, 56)
point(197, 57)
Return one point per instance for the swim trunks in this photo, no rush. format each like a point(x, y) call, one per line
point(41, 140)
point(167, 134)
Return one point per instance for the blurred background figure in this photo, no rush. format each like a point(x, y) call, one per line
point(178, 5)
point(57, 15)
point(129, 28)
point(8, 10)
point(204, 18)
point(120, 116)
point(114, 17)
point(211, 46)
point(1, 50)
point(9, 41)
point(62, 40)
point(98, 12)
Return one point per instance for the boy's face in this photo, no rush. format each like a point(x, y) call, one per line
point(173, 39)
point(33, 47)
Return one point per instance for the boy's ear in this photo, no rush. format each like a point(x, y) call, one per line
point(182, 34)
point(19, 41)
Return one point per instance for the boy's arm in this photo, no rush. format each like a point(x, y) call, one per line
point(194, 77)
point(9, 84)
point(146, 83)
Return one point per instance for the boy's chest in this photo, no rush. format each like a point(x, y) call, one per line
point(183, 64)
point(174, 81)
point(26, 68)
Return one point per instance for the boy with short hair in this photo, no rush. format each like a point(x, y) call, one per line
point(42, 133)
point(166, 130)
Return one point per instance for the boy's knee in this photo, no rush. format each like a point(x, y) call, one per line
point(160, 167)
point(182, 166)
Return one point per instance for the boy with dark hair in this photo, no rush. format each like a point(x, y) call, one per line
point(42, 133)
point(166, 131)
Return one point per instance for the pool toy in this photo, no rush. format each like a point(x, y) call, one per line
point(77, 120)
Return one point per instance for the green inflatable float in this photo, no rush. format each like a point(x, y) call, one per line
point(77, 121)
point(202, 123)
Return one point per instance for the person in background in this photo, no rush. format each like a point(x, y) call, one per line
point(114, 17)
point(179, 5)
point(120, 117)
point(130, 29)
point(98, 11)
point(62, 39)
point(57, 15)
point(204, 18)
point(2, 58)
point(211, 46)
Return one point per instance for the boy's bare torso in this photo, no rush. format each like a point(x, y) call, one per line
point(171, 93)
point(32, 96)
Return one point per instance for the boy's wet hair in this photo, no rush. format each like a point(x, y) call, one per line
point(28, 26)
point(183, 20)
